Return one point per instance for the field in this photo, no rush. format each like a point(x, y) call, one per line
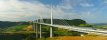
point(78, 38)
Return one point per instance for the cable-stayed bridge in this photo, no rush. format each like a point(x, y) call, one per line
point(80, 29)
point(88, 30)
point(68, 27)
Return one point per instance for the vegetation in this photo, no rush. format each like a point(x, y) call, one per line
point(25, 32)
point(73, 22)
point(58, 32)
point(100, 26)
point(18, 36)
point(5, 24)
point(15, 28)
point(76, 38)
point(85, 25)
point(77, 22)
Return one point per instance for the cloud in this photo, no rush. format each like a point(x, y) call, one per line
point(86, 5)
point(105, 1)
point(16, 10)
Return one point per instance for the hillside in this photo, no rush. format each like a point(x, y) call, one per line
point(5, 24)
point(73, 22)
point(100, 25)
point(16, 28)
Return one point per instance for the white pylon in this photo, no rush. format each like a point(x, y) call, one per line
point(51, 33)
point(40, 27)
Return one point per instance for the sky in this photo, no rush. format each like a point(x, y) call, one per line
point(92, 11)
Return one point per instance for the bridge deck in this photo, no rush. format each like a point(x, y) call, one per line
point(80, 29)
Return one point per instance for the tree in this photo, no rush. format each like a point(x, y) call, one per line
point(85, 25)
point(60, 31)
point(76, 22)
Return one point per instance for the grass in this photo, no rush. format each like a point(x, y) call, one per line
point(18, 36)
point(76, 38)
point(14, 28)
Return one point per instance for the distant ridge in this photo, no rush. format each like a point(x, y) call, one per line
point(4, 24)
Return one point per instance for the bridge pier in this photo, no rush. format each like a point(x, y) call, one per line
point(51, 34)
point(36, 29)
point(40, 31)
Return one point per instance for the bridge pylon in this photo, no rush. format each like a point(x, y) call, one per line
point(51, 30)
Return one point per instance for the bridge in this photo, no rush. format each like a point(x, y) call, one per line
point(68, 27)
point(88, 30)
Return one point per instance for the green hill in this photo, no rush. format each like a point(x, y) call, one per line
point(73, 22)
point(5, 24)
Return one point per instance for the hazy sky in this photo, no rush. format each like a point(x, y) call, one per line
point(93, 11)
